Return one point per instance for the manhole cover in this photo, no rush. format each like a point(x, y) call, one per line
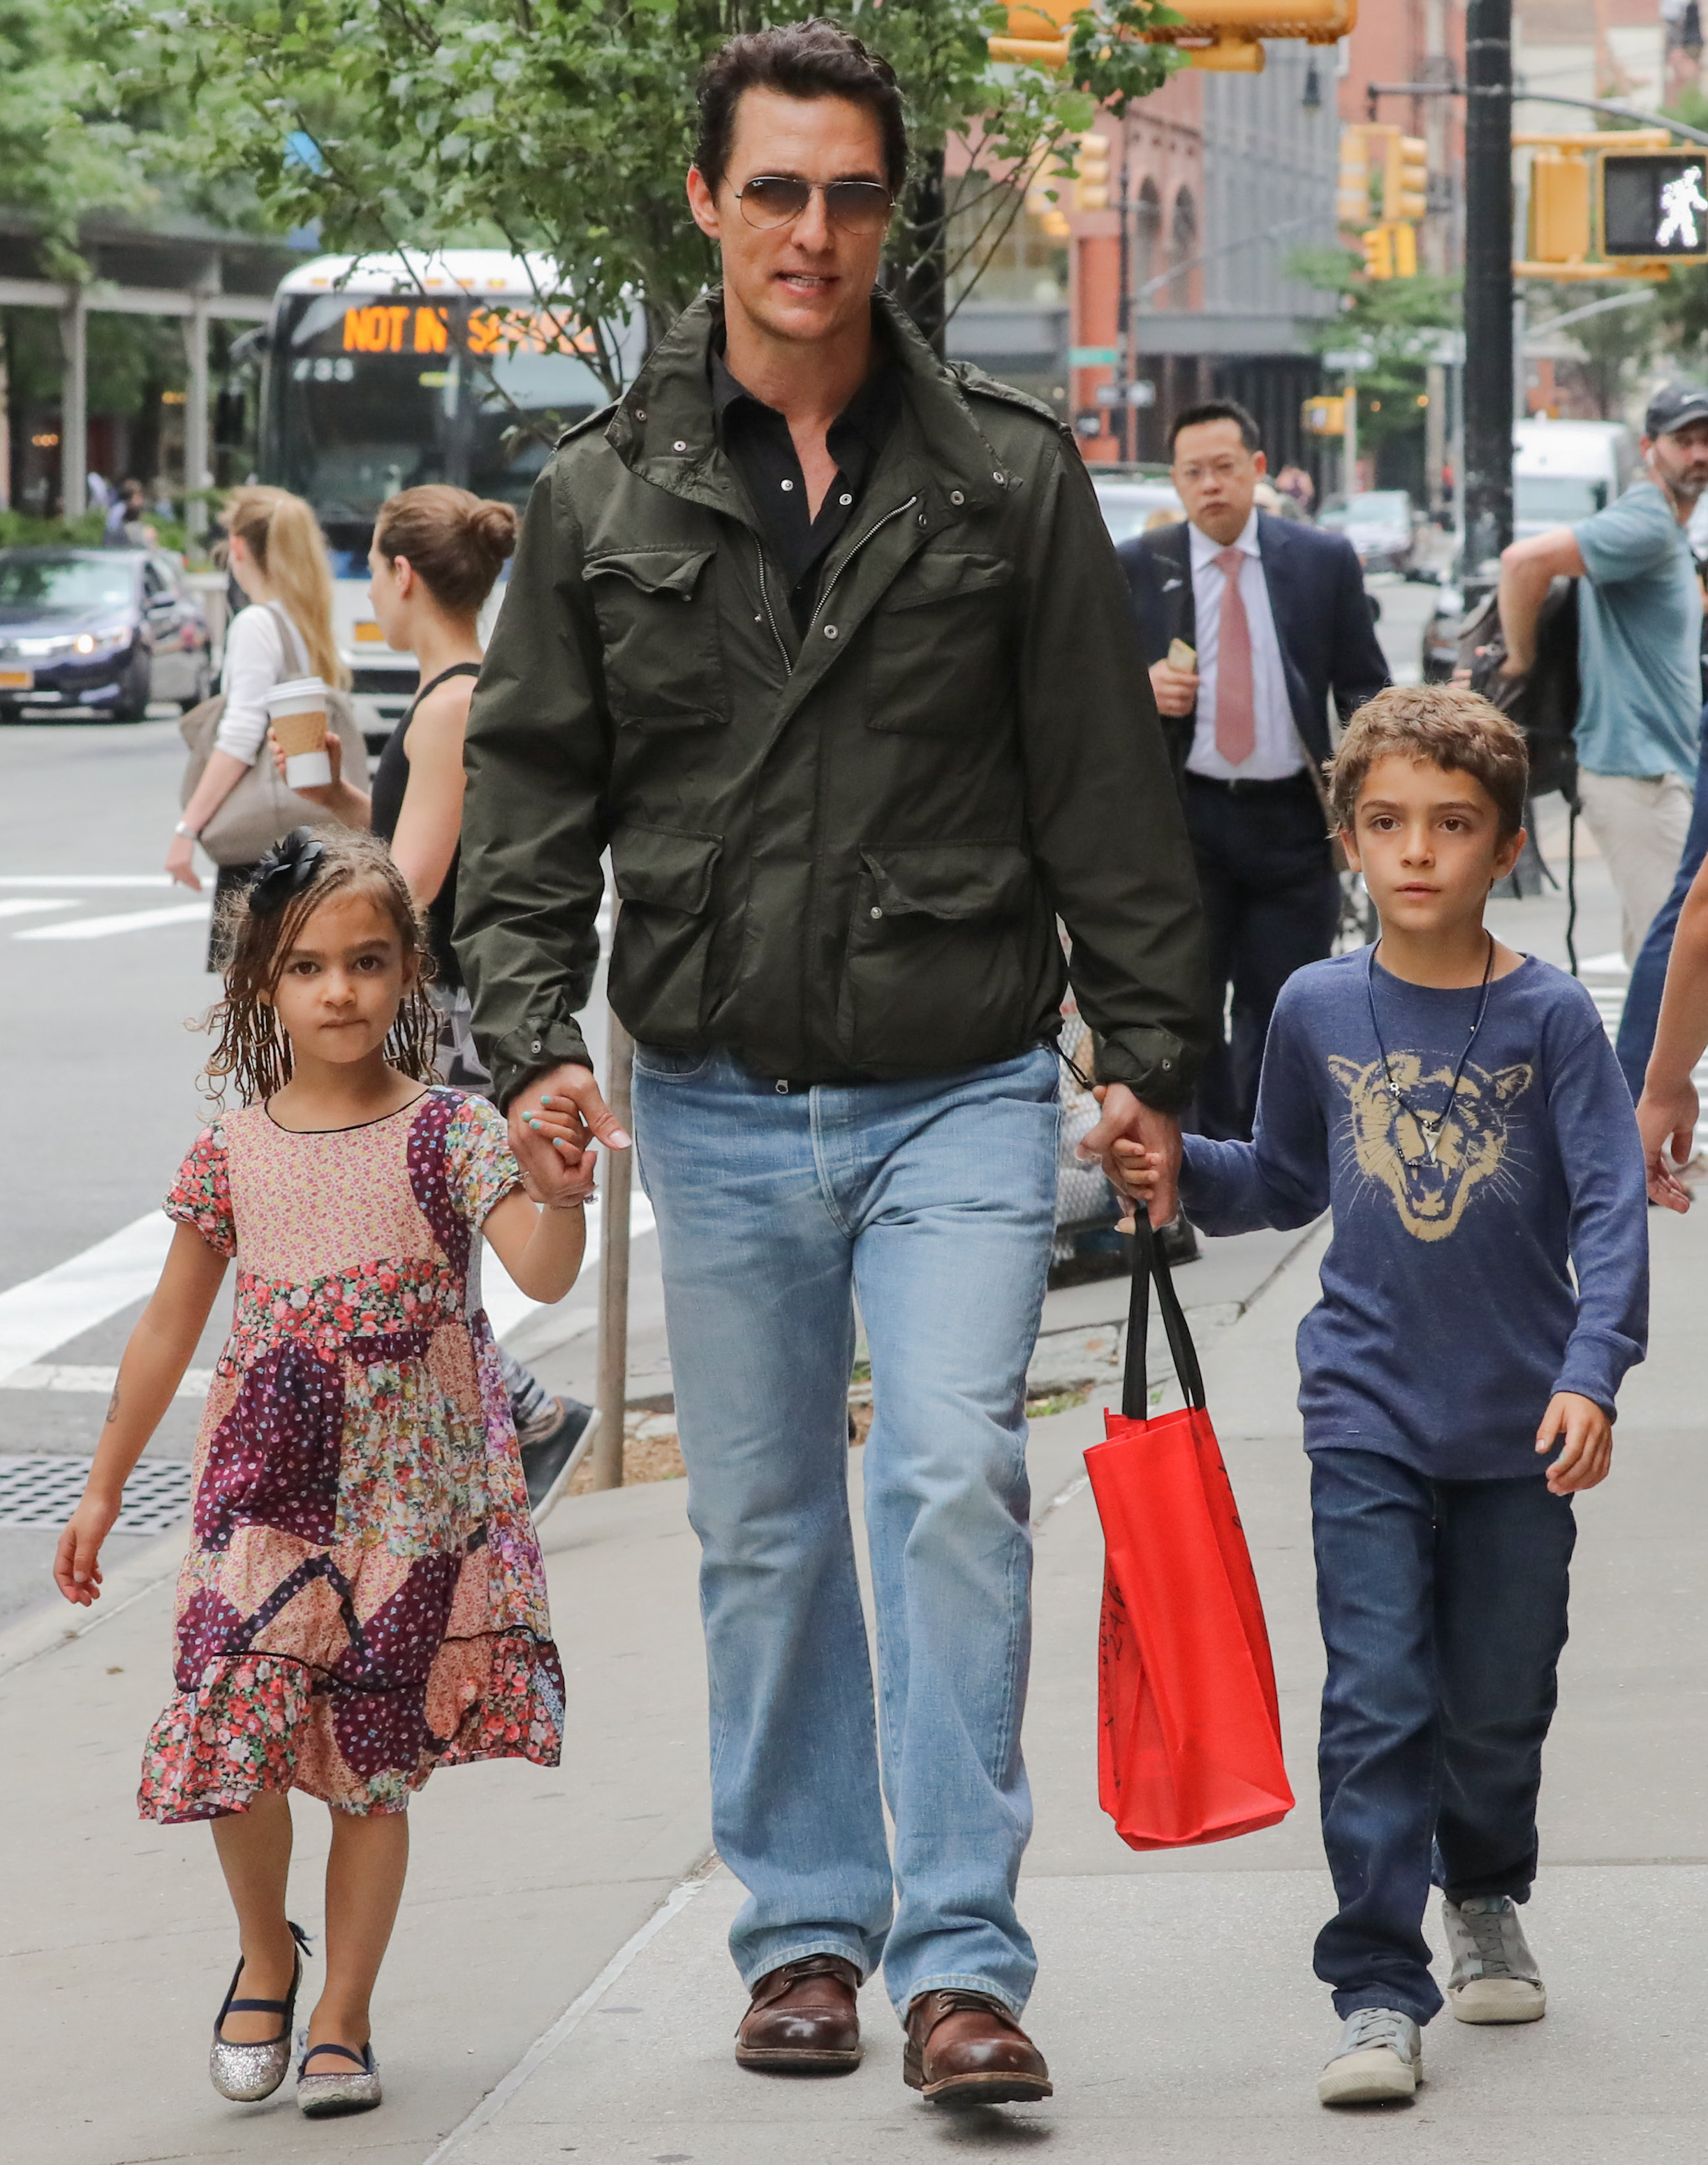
point(42, 1490)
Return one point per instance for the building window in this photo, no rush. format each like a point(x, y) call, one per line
point(1146, 224)
point(1183, 246)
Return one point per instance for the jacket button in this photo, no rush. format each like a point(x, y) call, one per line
point(830, 631)
point(924, 520)
point(997, 478)
point(1167, 1064)
point(876, 912)
point(956, 496)
point(679, 445)
point(640, 413)
point(536, 1045)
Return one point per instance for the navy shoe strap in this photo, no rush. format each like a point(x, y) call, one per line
point(364, 2059)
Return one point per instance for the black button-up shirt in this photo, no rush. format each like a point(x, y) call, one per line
point(756, 440)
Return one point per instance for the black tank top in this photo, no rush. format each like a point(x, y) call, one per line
point(390, 779)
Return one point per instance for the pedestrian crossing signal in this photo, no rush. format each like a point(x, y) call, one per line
point(1325, 416)
point(1655, 205)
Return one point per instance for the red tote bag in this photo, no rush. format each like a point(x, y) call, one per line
point(1189, 1731)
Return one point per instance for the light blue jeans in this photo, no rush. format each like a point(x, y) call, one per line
point(933, 1203)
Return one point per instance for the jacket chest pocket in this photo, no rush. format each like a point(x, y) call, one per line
point(940, 647)
point(657, 611)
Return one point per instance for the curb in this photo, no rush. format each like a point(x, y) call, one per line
point(41, 1634)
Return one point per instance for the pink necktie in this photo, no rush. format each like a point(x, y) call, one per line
point(1236, 719)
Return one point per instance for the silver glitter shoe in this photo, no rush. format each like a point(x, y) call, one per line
point(247, 2074)
point(353, 2089)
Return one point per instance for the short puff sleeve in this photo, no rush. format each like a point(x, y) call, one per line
point(480, 1168)
point(201, 1195)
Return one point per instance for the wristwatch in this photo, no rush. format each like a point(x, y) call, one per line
point(191, 834)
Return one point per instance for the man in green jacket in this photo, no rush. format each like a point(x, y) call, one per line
point(826, 642)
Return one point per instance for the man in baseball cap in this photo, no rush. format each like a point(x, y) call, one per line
point(1639, 652)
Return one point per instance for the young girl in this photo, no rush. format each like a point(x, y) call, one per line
point(436, 555)
point(363, 1599)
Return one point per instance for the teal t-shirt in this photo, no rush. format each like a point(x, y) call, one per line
point(1639, 639)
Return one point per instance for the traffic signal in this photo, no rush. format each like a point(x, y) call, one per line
point(1044, 193)
point(1378, 251)
point(1405, 250)
point(1655, 205)
point(1325, 416)
point(1405, 178)
point(1351, 201)
point(1091, 178)
point(1559, 207)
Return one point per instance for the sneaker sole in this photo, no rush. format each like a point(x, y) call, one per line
point(1498, 2000)
point(553, 1494)
point(1352, 2082)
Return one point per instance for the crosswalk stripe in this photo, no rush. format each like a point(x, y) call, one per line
point(60, 1304)
point(23, 906)
point(127, 920)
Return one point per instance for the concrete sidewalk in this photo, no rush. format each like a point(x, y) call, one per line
point(1175, 2000)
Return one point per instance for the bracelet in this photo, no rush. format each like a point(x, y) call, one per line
point(191, 834)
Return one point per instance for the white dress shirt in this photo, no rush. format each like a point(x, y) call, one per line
point(255, 661)
point(1276, 753)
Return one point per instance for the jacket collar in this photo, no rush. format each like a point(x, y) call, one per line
point(664, 429)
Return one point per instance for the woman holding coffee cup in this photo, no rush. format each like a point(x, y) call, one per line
point(280, 648)
point(436, 556)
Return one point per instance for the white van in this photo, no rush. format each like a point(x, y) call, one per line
point(1564, 471)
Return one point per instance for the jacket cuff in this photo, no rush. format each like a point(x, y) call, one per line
point(1152, 1063)
point(530, 1051)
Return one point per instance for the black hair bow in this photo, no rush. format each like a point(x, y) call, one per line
point(286, 870)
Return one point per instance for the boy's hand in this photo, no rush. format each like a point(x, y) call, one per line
point(1589, 1446)
point(1667, 1117)
point(77, 1560)
point(1128, 1124)
point(1138, 1171)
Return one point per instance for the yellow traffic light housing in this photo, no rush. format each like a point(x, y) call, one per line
point(1351, 198)
point(1378, 251)
point(1625, 204)
point(1325, 416)
point(1559, 207)
point(1222, 35)
point(1091, 178)
point(1405, 179)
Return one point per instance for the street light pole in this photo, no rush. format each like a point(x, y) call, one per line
point(1487, 374)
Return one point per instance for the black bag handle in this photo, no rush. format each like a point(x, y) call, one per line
point(1149, 1262)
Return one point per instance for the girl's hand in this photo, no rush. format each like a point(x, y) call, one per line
point(556, 1122)
point(1140, 1170)
point(1589, 1447)
point(78, 1559)
point(181, 862)
point(318, 792)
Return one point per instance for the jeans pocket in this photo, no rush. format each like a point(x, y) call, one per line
point(667, 1067)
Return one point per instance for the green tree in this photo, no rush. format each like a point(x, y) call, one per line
point(64, 150)
point(1397, 321)
point(561, 129)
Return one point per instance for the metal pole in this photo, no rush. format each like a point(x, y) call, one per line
point(196, 473)
point(607, 1452)
point(74, 409)
point(1124, 313)
point(1350, 441)
point(1488, 375)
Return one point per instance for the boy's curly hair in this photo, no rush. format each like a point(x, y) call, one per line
point(1443, 726)
point(252, 1049)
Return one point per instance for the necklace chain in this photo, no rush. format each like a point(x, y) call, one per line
point(1430, 1125)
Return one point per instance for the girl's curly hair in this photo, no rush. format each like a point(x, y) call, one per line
point(252, 1051)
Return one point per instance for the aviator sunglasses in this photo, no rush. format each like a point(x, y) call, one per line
point(769, 200)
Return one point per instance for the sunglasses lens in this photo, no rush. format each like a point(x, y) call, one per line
point(857, 206)
point(772, 200)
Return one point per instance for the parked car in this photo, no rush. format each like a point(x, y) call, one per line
point(1565, 470)
point(110, 630)
point(1129, 501)
point(1380, 524)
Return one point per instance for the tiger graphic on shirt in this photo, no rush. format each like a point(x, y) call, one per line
point(1392, 1147)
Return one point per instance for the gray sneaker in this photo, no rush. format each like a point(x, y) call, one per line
point(1380, 2060)
point(1495, 1977)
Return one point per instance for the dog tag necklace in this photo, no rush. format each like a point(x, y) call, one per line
point(1429, 1124)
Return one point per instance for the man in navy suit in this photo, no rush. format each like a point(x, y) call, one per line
point(1276, 614)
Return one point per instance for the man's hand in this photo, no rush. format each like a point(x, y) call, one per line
point(1140, 1149)
point(1666, 1119)
point(1176, 690)
point(553, 1119)
point(1589, 1446)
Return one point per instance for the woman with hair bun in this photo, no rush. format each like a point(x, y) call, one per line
point(436, 555)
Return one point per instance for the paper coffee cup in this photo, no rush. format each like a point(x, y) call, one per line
point(296, 709)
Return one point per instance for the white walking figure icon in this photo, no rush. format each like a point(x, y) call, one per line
point(1680, 201)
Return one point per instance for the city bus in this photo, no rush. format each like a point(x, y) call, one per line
point(380, 372)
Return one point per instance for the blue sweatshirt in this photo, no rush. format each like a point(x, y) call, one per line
point(1449, 1316)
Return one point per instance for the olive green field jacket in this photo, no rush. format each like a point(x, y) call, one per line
point(841, 855)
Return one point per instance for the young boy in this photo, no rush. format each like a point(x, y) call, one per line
point(1459, 1110)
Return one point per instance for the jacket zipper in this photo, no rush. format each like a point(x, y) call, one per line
point(860, 544)
point(765, 596)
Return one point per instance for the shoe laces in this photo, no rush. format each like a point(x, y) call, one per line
point(1487, 1927)
point(1367, 2027)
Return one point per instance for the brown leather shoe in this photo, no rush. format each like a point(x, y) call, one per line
point(966, 2049)
point(802, 2020)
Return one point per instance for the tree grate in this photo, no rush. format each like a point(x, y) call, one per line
point(42, 1490)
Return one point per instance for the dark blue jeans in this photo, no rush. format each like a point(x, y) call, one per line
point(1649, 973)
point(1443, 1611)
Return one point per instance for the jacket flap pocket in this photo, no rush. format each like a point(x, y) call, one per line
point(664, 868)
point(654, 571)
point(944, 576)
point(953, 880)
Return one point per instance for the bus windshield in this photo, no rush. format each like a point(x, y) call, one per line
point(367, 397)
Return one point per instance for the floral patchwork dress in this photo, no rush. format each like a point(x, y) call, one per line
point(363, 1599)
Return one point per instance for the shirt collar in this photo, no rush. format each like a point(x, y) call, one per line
point(871, 412)
point(1205, 552)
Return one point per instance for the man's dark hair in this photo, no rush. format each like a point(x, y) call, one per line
point(813, 59)
point(1217, 409)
